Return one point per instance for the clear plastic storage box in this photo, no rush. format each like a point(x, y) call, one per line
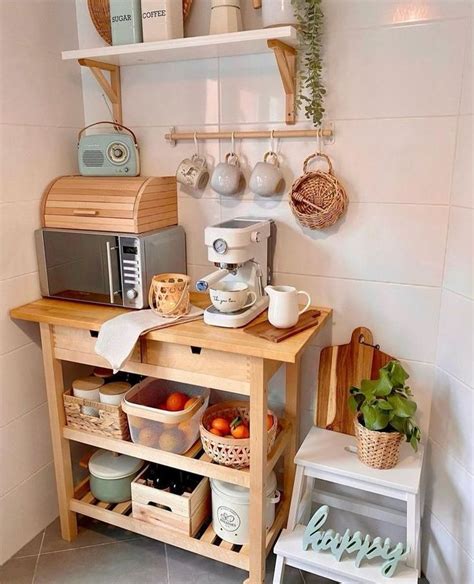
point(151, 426)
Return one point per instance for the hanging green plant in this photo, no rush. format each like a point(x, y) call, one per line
point(310, 29)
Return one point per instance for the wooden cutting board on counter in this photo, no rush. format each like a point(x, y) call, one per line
point(265, 330)
point(340, 367)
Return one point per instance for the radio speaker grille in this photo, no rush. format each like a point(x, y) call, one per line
point(93, 158)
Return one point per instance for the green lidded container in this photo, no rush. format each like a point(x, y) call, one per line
point(126, 22)
point(111, 475)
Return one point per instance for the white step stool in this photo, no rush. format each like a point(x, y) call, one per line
point(330, 456)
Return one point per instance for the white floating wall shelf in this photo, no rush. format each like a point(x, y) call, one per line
point(282, 41)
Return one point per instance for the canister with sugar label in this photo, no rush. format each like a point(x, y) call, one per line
point(161, 20)
point(125, 22)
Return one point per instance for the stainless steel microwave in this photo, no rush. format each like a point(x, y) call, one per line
point(107, 268)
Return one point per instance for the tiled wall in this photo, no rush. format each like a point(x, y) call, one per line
point(449, 536)
point(40, 112)
point(397, 82)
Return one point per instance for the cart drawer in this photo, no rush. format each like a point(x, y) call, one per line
point(74, 342)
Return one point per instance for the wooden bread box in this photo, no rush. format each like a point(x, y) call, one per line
point(119, 204)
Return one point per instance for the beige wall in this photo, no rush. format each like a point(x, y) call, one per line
point(40, 112)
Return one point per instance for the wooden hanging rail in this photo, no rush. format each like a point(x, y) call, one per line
point(323, 133)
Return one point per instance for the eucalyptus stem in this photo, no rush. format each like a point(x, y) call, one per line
point(311, 91)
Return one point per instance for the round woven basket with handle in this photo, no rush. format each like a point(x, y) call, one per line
point(99, 11)
point(317, 198)
point(169, 295)
point(377, 449)
point(231, 451)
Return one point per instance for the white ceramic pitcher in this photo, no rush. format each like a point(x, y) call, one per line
point(283, 310)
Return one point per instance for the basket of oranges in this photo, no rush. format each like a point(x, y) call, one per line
point(165, 414)
point(225, 433)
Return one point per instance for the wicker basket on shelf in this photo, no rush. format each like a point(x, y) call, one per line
point(111, 421)
point(231, 451)
point(169, 295)
point(99, 11)
point(377, 449)
point(317, 198)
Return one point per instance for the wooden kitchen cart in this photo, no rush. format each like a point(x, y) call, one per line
point(222, 359)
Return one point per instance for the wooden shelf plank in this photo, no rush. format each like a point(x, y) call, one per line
point(202, 47)
point(181, 461)
point(169, 536)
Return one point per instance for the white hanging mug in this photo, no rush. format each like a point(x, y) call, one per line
point(283, 310)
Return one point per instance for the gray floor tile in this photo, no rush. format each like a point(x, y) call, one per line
point(142, 561)
point(18, 571)
point(90, 532)
point(292, 575)
point(32, 548)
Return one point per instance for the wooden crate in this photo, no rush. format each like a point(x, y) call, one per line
point(119, 204)
point(112, 421)
point(184, 513)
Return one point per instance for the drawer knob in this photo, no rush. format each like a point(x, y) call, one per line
point(85, 212)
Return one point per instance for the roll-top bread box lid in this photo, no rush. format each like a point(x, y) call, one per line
point(120, 204)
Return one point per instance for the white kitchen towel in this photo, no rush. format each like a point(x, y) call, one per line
point(118, 336)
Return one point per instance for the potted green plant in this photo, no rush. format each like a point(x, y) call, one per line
point(384, 415)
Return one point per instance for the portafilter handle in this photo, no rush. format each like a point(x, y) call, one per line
point(204, 283)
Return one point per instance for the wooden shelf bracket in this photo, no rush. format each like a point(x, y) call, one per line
point(286, 61)
point(111, 88)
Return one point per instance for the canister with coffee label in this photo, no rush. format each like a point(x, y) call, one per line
point(161, 20)
point(126, 22)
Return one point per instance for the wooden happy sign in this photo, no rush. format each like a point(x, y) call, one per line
point(364, 547)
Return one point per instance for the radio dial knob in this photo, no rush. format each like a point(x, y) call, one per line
point(132, 294)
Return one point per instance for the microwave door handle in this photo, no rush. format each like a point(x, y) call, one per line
point(109, 271)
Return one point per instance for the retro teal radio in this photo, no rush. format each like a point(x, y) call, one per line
point(112, 154)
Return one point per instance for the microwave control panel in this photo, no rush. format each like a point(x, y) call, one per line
point(131, 269)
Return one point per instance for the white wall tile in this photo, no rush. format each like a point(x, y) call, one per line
point(466, 96)
point(17, 245)
point(462, 190)
point(25, 446)
point(458, 275)
point(196, 272)
point(392, 243)
point(403, 319)
point(195, 217)
point(451, 420)
point(25, 170)
point(250, 90)
point(23, 388)
point(182, 93)
point(443, 560)
point(26, 510)
point(15, 292)
point(455, 336)
point(368, 13)
point(395, 71)
point(448, 493)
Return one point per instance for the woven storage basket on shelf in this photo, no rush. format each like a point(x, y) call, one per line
point(111, 422)
point(99, 11)
point(169, 295)
point(317, 198)
point(231, 451)
point(377, 449)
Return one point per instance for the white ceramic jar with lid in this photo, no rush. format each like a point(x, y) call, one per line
point(278, 13)
point(88, 388)
point(230, 509)
point(225, 16)
point(112, 393)
point(111, 475)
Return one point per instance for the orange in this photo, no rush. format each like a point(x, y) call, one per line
point(222, 425)
point(162, 405)
point(240, 431)
point(269, 421)
point(171, 441)
point(216, 432)
point(176, 401)
point(189, 430)
point(191, 401)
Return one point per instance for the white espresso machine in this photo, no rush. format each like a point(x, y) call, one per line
point(242, 251)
